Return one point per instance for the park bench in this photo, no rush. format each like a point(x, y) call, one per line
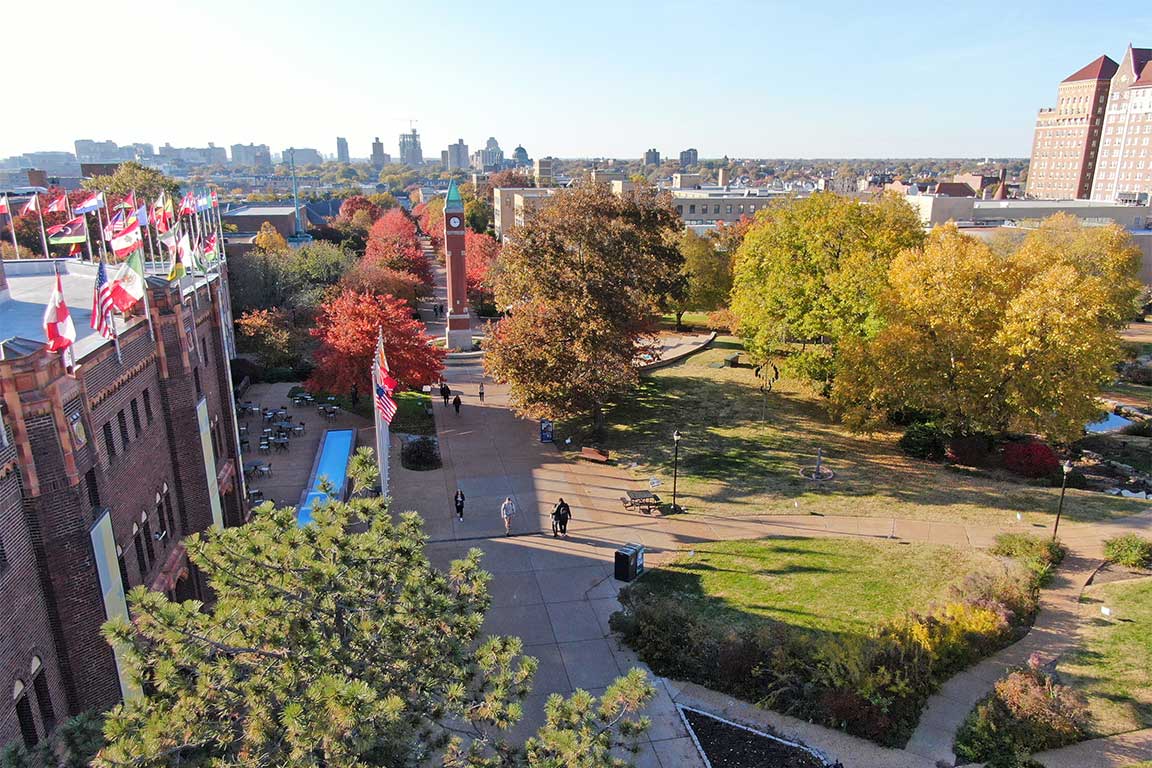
point(732, 360)
point(594, 454)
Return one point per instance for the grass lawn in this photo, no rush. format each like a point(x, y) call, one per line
point(690, 321)
point(742, 455)
point(1113, 666)
point(831, 585)
point(410, 418)
point(1136, 395)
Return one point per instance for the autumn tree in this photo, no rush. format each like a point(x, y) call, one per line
point(392, 242)
point(432, 221)
point(347, 329)
point(509, 178)
point(582, 279)
point(380, 279)
point(269, 240)
point(267, 334)
point(985, 343)
point(480, 254)
point(706, 277)
point(132, 177)
point(337, 644)
point(811, 271)
point(358, 203)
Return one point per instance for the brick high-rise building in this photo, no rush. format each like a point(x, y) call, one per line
point(104, 469)
point(1124, 167)
point(1067, 136)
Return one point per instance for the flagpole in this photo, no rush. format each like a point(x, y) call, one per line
point(12, 227)
point(87, 239)
point(43, 237)
point(100, 227)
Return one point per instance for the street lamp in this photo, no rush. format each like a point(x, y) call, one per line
point(1067, 467)
point(675, 465)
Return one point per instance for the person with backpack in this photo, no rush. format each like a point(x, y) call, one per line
point(561, 514)
point(459, 500)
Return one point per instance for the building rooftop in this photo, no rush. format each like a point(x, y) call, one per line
point(263, 210)
point(1100, 69)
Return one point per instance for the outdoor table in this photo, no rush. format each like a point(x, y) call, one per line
point(646, 501)
point(286, 426)
point(250, 467)
point(281, 443)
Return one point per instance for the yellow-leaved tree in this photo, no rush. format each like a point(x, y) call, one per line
point(988, 342)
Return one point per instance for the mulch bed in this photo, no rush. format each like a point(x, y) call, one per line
point(728, 746)
point(1111, 572)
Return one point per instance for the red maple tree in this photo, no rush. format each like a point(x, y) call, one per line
point(378, 278)
point(392, 243)
point(480, 253)
point(356, 203)
point(347, 329)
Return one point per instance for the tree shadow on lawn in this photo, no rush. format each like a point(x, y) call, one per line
point(730, 459)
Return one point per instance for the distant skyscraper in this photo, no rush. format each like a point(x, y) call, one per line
point(378, 156)
point(1067, 136)
point(1124, 170)
point(456, 156)
point(252, 155)
point(689, 157)
point(342, 150)
point(652, 157)
point(306, 156)
point(410, 152)
point(520, 155)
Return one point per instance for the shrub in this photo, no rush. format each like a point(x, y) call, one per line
point(723, 321)
point(1129, 550)
point(969, 450)
point(1031, 459)
point(1037, 553)
point(1135, 373)
point(923, 441)
point(1027, 712)
point(420, 454)
point(1142, 428)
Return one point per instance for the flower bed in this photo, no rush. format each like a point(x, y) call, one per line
point(728, 745)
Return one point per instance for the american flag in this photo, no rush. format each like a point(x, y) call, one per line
point(382, 383)
point(102, 304)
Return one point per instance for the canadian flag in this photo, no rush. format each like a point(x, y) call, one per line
point(128, 240)
point(58, 325)
point(60, 204)
point(4, 209)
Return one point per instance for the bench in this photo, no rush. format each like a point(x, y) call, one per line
point(594, 454)
point(732, 360)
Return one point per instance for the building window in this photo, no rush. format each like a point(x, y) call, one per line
point(168, 509)
point(122, 421)
point(680, 210)
point(148, 406)
point(729, 209)
point(716, 209)
point(44, 701)
point(141, 561)
point(147, 531)
point(196, 379)
point(27, 723)
point(135, 417)
point(3, 558)
point(123, 567)
point(93, 490)
point(109, 442)
point(204, 349)
point(692, 208)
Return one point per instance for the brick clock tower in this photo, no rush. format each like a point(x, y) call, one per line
point(459, 321)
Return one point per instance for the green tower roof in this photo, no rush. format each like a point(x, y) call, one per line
point(453, 201)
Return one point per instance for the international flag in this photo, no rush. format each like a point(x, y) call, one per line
point(210, 247)
point(91, 205)
point(58, 325)
point(114, 226)
point(32, 206)
point(128, 240)
point(59, 205)
point(75, 250)
point(183, 247)
point(4, 207)
point(128, 285)
point(102, 304)
point(162, 214)
point(215, 200)
point(203, 202)
point(75, 231)
point(382, 383)
point(188, 205)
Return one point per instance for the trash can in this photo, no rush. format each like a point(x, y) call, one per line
point(629, 562)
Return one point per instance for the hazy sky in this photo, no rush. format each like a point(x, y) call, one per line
point(581, 78)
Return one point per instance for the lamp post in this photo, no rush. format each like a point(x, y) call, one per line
point(675, 465)
point(1067, 467)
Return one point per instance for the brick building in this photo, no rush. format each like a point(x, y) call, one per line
point(1067, 136)
point(1124, 169)
point(103, 471)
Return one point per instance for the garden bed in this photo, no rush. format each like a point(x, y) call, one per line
point(728, 745)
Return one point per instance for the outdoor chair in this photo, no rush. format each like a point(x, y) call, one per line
point(299, 429)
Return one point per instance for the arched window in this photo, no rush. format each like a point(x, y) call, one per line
point(28, 730)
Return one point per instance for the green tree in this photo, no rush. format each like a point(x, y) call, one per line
point(582, 279)
point(811, 271)
point(131, 177)
point(269, 240)
point(330, 648)
point(983, 343)
point(706, 276)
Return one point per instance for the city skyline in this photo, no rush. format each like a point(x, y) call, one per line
point(604, 82)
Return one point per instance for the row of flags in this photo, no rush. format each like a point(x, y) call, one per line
point(383, 383)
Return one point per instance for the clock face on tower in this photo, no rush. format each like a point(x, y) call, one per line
point(454, 222)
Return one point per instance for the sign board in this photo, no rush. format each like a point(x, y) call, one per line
point(112, 590)
point(545, 430)
point(655, 482)
point(209, 462)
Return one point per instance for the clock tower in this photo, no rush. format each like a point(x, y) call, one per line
point(459, 320)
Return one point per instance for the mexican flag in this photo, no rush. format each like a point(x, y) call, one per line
point(128, 285)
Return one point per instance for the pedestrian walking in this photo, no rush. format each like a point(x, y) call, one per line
point(481, 391)
point(445, 392)
point(561, 514)
point(456, 404)
point(507, 512)
point(459, 499)
point(441, 309)
point(354, 395)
